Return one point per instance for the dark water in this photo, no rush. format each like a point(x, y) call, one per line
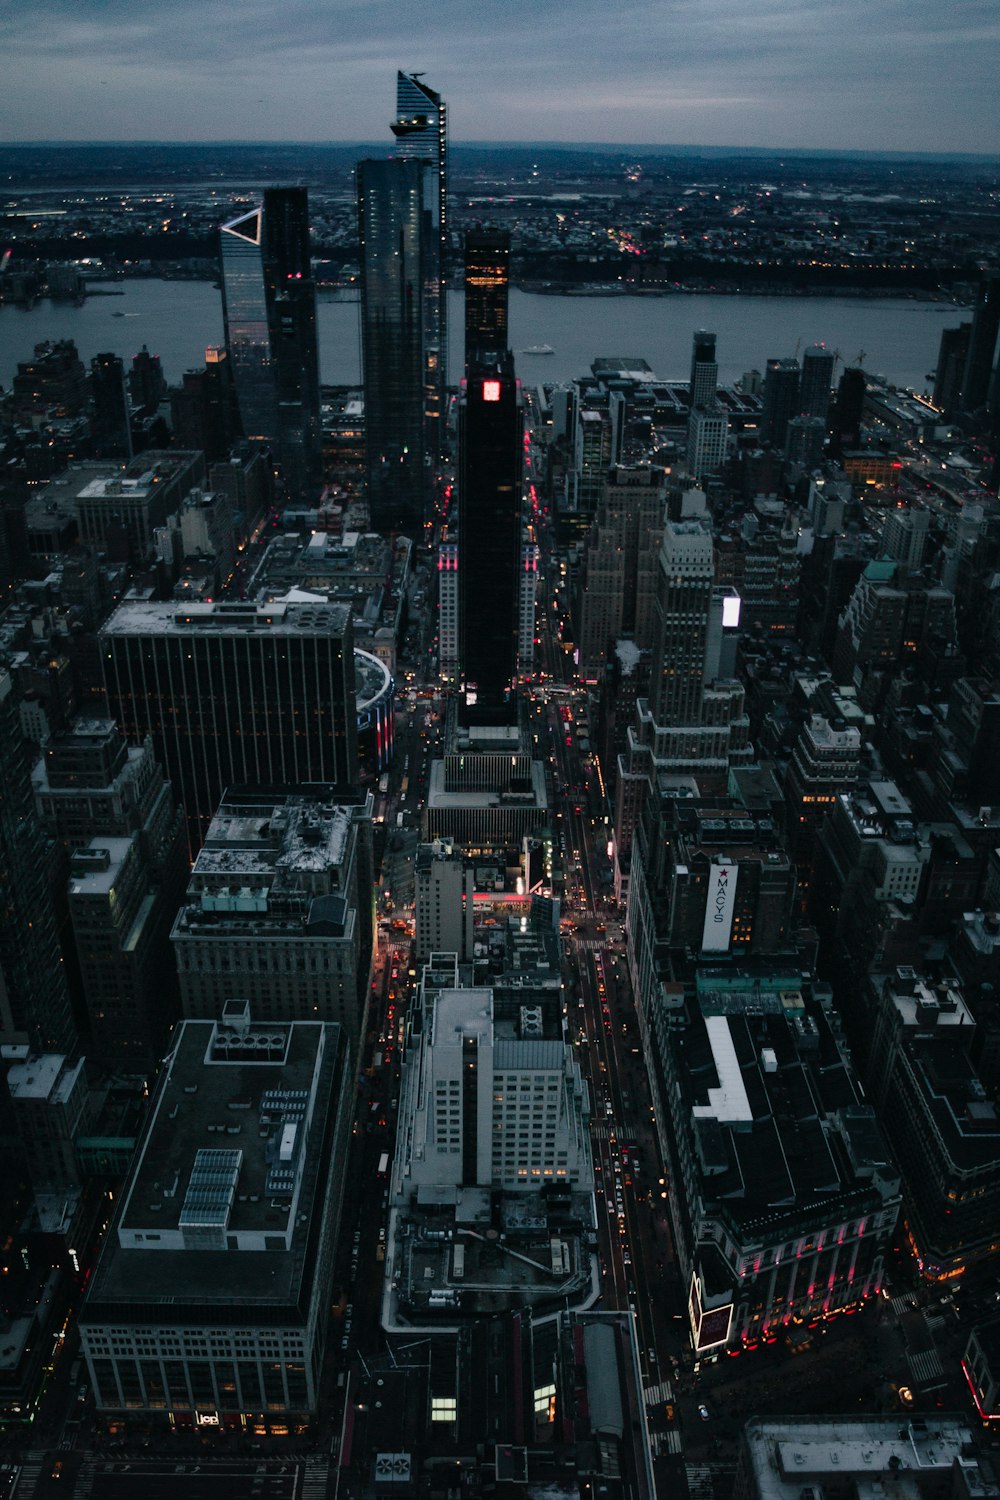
point(177, 319)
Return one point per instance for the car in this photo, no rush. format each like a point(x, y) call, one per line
point(703, 1412)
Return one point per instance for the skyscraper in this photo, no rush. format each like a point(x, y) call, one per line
point(708, 430)
point(979, 360)
point(34, 1002)
point(487, 280)
point(704, 369)
point(392, 230)
point(421, 131)
point(269, 306)
point(489, 509)
point(235, 695)
point(816, 383)
point(681, 618)
point(781, 399)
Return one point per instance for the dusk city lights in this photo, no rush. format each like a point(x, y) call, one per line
point(499, 751)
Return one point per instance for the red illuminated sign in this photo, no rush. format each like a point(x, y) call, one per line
point(491, 390)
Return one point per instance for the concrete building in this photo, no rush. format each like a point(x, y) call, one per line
point(942, 1125)
point(708, 431)
point(210, 1301)
point(275, 911)
point(443, 902)
point(618, 577)
point(121, 926)
point(782, 1458)
point(449, 562)
point(825, 763)
point(784, 1195)
point(487, 790)
point(50, 1107)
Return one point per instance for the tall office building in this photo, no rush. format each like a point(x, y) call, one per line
point(235, 695)
point(681, 615)
point(269, 306)
point(708, 430)
point(816, 385)
point(110, 426)
point(393, 232)
point(421, 132)
point(982, 353)
point(34, 1002)
point(704, 369)
point(781, 399)
point(487, 282)
point(489, 509)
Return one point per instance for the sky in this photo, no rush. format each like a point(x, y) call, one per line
point(885, 75)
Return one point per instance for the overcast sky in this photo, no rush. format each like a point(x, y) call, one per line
point(898, 75)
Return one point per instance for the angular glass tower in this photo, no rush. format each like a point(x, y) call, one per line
point(393, 229)
point(269, 306)
point(489, 518)
point(421, 132)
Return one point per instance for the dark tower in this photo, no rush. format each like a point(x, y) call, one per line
point(704, 370)
point(392, 230)
point(34, 1001)
point(952, 354)
point(848, 410)
point(489, 510)
point(817, 383)
point(982, 345)
point(421, 132)
point(487, 281)
point(781, 399)
point(110, 426)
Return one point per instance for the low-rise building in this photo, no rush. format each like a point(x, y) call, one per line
point(210, 1301)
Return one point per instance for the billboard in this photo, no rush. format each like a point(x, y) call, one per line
point(719, 908)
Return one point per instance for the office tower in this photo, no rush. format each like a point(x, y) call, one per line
point(444, 889)
point(981, 358)
point(487, 281)
point(849, 409)
point(393, 234)
point(708, 429)
point(592, 458)
point(781, 399)
point(489, 510)
point(50, 1106)
point(526, 595)
point(235, 695)
point(269, 306)
point(805, 438)
point(34, 1002)
point(245, 476)
point(146, 384)
point(825, 764)
point(952, 354)
point(618, 579)
point(111, 424)
point(704, 370)
point(680, 622)
point(289, 935)
point(421, 132)
point(211, 1298)
point(203, 409)
point(904, 536)
point(53, 382)
point(121, 924)
point(817, 383)
point(119, 510)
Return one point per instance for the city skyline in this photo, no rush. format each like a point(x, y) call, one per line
point(782, 77)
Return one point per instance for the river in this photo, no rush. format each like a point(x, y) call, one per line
point(177, 319)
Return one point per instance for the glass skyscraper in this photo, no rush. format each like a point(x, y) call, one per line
point(269, 306)
point(489, 539)
point(393, 229)
point(421, 132)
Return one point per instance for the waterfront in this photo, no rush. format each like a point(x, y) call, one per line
point(177, 319)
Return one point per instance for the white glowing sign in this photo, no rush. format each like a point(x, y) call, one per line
point(730, 611)
point(719, 908)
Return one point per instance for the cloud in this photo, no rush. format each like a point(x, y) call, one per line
point(820, 73)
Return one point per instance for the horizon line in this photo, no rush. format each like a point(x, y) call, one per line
point(659, 148)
